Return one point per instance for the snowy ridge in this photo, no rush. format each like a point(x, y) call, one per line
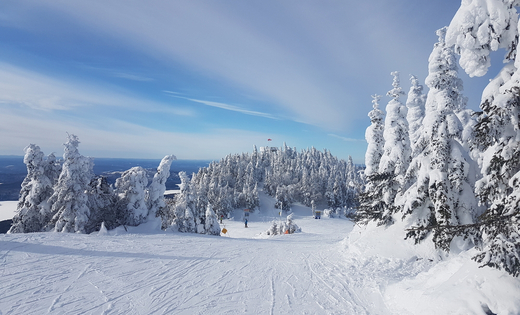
point(331, 267)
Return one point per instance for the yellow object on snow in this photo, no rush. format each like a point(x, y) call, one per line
point(224, 231)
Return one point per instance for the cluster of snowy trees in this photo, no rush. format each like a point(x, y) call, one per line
point(67, 197)
point(283, 227)
point(311, 177)
point(449, 171)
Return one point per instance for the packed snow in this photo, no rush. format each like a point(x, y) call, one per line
point(330, 267)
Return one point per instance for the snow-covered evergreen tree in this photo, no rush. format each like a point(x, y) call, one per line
point(102, 205)
point(391, 145)
point(52, 168)
point(69, 209)
point(414, 117)
point(155, 192)
point(374, 137)
point(442, 195)
point(36, 189)
point(130, 189)
point(477, 30)
point(396, 152)
point(211, 225)
point(480, 27)
point(183, 219)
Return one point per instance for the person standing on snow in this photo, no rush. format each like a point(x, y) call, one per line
point(245, 222)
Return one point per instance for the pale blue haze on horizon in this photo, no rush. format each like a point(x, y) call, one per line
point(203, 79)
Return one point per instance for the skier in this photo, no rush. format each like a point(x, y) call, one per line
point(245, 222)
point(221, 217)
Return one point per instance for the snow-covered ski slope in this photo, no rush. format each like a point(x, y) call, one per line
point(331, 267)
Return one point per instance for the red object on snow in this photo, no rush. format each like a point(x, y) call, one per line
point(269, 139)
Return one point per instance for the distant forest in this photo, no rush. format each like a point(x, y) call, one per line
point(67, 196)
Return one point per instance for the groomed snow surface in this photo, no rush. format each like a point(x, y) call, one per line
point(331, 267)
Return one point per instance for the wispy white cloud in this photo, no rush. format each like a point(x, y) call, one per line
point(117, 73)
point(37, 91)
point(129, 76)
point(345, 138)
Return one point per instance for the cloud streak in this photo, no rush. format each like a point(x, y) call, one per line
point(346, 139)
point(225, 106)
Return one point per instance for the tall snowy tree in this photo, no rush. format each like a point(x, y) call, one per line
point(371, 204)
point(102, 205)
point(69, 209)
point(476, 30)
point(374, 137)
point(414, 117)
point(396, 152)
point(184, 220)
point(155, 192)
point(442, 195)
point(130, 188)
point(36, 189)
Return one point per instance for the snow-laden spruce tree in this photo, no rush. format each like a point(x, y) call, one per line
point(36, 189)
point(480, 27)
point(416, 108)
point(414, 116)
point(396, 151)
point(130, 189)
point(476, 30)
point(52, 168)
point(354, 186)
point(374, 137)
point(101, 204)
point(69, 209)
point(155, 192)
point(183, 219)
point(442, 196)
point(385, 180)
point(371, 204)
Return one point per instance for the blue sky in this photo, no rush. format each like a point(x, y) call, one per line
point(202, 79)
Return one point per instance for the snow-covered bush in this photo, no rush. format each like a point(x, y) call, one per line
point(286, 227)
point(329, 213)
